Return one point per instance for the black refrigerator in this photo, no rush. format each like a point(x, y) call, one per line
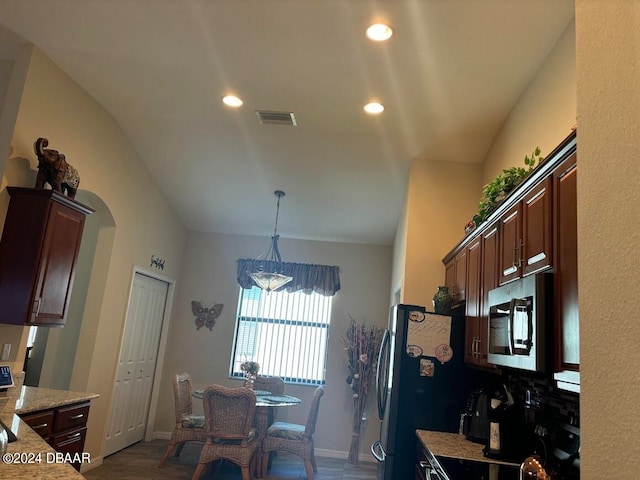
point(421, 383)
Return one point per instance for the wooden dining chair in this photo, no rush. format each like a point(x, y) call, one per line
point(189, 427)
point(294, 438)
point(230, 434)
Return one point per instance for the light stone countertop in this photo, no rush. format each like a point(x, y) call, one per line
point(454, 445)
point(39, 455)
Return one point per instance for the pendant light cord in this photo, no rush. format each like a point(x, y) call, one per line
point(280, 194)
point(274, 239)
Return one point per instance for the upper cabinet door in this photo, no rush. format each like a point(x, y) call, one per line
point(567, 322)
point(510, 236)
point(56, 273)
point(38, 253)
point(460, 286)
point(536, 246)
point(474, 269)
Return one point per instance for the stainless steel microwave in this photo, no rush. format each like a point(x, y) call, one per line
point(520, 315)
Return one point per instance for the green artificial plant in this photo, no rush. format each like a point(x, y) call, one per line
point(496, 191)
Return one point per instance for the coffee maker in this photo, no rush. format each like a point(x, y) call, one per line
point(509, 436)
point(474, 422)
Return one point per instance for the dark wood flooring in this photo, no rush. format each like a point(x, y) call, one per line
point(140, 462)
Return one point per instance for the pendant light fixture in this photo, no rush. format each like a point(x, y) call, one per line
point(268, 275)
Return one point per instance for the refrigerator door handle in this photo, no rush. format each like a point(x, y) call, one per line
point(383, 363)
point(375, 446)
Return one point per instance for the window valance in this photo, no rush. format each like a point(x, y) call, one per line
point(322, 279)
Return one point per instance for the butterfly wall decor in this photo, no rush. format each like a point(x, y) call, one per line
point(206, 316)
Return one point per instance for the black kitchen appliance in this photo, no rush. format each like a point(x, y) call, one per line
point(421, 383)
point(475, 422)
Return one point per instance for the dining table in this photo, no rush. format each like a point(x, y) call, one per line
point(265, 403)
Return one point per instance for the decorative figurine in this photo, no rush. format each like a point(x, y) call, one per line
point(54, 170)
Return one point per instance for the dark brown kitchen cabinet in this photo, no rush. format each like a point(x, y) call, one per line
point(38, 252)
point(478, 317)
point(567, 338)
point(472, 305)
point(64, 428)
point(455, 277)
point(450, 275)
point(526, 234)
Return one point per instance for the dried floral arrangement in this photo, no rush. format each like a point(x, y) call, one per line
point(362, 344)
point(250, 367)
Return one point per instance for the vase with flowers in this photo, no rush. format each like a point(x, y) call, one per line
point(250, 369)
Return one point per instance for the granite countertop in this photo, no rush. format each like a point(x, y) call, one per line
point(37, 458)
point(454, 445)
point(33, 399)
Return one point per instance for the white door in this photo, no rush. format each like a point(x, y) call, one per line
point(137, 362)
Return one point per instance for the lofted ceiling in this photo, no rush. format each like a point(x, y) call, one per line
point(448, 78)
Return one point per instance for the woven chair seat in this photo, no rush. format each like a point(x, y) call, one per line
point(193, 421)
point(253, 434)
point(289, 431)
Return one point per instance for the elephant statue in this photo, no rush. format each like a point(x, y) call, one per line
point(54, 170)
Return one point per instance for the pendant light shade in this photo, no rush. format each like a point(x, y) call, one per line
point(269, 275)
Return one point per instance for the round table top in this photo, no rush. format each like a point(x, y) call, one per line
point(264, 399)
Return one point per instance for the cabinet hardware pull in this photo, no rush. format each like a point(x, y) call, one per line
point(424, 464)
point(520, 250)
point(75, 417)
point(75, 435)
point(36, 307)
point(515, 253)
point(40, 426)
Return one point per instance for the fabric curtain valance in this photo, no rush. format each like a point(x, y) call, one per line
point(308, 278)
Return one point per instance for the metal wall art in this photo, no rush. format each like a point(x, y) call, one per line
point(157, 262)
point(206, 316)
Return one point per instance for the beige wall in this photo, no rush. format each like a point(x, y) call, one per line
point(442, 198)
point(209, 274)
point(136, 221)
point(543, 115)
point(608, 82)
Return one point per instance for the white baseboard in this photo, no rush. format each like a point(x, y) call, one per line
point(160, 436)
point(323, 452)
point(95, 462)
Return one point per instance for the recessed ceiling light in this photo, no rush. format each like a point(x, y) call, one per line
point(374, 108)
point(379, 32)
point(232, 101)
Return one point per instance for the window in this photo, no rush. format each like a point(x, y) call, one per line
point(286, 333)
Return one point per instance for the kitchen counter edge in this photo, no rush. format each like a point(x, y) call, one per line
point(454, 445)
point(30, 456)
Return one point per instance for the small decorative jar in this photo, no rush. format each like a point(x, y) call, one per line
point(442, 301)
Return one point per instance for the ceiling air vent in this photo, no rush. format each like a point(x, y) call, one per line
point(276, 118)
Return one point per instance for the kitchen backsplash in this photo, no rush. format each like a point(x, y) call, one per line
point(562, 406)
point(556, 406)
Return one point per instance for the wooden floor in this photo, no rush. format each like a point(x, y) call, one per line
point(140, 462)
